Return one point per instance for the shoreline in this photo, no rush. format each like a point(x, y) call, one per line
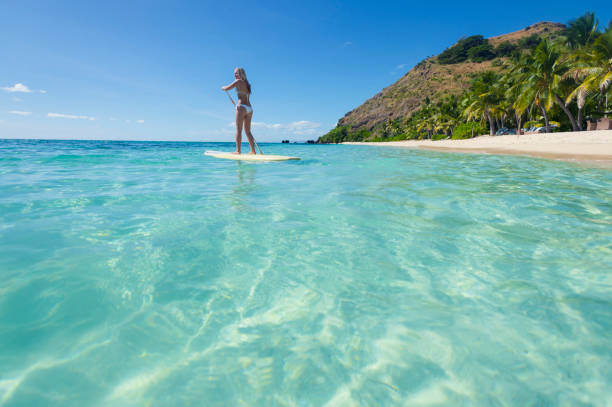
point(568, 146)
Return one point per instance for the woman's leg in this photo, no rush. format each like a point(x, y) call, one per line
point(239, 121)
point(247, 130)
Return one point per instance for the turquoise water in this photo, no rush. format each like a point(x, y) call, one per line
point(147, 274)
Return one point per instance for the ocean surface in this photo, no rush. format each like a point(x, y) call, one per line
point(148, 274)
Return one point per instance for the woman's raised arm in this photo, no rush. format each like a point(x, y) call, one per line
point(230, 86)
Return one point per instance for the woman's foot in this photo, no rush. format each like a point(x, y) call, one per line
point(253, 152)
point(236, 152)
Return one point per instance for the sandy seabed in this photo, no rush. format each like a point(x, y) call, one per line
point(571, 146)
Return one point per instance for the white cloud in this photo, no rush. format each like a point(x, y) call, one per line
point(20, 113)
point(398, 69)
point(262, 125)
point(18, 87)
point(112, 118)
point(16, 99)
point(42, 91)
point(279, 131)
point(347, 43)
point(69, 116)
point(140, 121)
point(128, 121)
point(304, 127)
point(299, 128)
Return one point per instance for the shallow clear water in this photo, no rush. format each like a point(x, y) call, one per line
point(147, 274)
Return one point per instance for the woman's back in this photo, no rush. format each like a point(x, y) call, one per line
point(243, 92)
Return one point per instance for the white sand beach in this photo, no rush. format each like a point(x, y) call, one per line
point(572, 146)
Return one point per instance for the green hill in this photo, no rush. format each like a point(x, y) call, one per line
point(435, 78)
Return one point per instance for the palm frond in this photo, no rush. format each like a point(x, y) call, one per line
point(605, 81)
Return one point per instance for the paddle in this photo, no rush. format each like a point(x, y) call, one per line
point(234, 103)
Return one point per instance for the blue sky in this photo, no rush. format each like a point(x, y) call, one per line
point(152, 70)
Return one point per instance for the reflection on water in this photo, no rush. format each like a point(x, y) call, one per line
point(246, 184)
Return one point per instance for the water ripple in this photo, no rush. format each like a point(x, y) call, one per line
point(147, 274)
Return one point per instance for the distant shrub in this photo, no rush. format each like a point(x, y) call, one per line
point(505, 49)
point(439, 136)
point(391, 130)
point(412, 134)
point(497, 62)
point(482, 52)
point(529, 42)
point(398, 137)
point(337, 135)
point(343, 133)
point(465, 130)
point(359, 135)
point(459, 52)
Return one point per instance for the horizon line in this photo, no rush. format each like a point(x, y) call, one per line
point(146, 141)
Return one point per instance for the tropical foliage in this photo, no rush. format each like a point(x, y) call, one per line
point(549, 83)
point(460, 51)
point(505, 49)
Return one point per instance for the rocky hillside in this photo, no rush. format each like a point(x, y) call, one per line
point(433, 80)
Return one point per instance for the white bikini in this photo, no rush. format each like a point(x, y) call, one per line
point(248, 109)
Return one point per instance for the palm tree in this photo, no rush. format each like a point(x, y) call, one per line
point(581, 31)
point(424, 125)
point(593, 67)
point(437, 122)
point(482, 99)
point(392, 129)
point(513, 81)
point(446, 115)
point(443, 123)
point(545, 80)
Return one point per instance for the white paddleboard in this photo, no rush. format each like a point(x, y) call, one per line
point(249, 157)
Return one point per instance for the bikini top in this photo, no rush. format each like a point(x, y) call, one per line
point(242, 93)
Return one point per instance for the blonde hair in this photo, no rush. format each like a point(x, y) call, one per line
point(242, 75)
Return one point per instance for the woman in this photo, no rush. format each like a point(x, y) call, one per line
point(244, 111)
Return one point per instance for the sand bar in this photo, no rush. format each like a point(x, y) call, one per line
point(571, 146)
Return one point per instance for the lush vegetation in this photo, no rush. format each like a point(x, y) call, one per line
point(552, 83)
point(460, 52)
point(477, 49)
point(342, 133)
point(505, 49)
point(468, 130)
